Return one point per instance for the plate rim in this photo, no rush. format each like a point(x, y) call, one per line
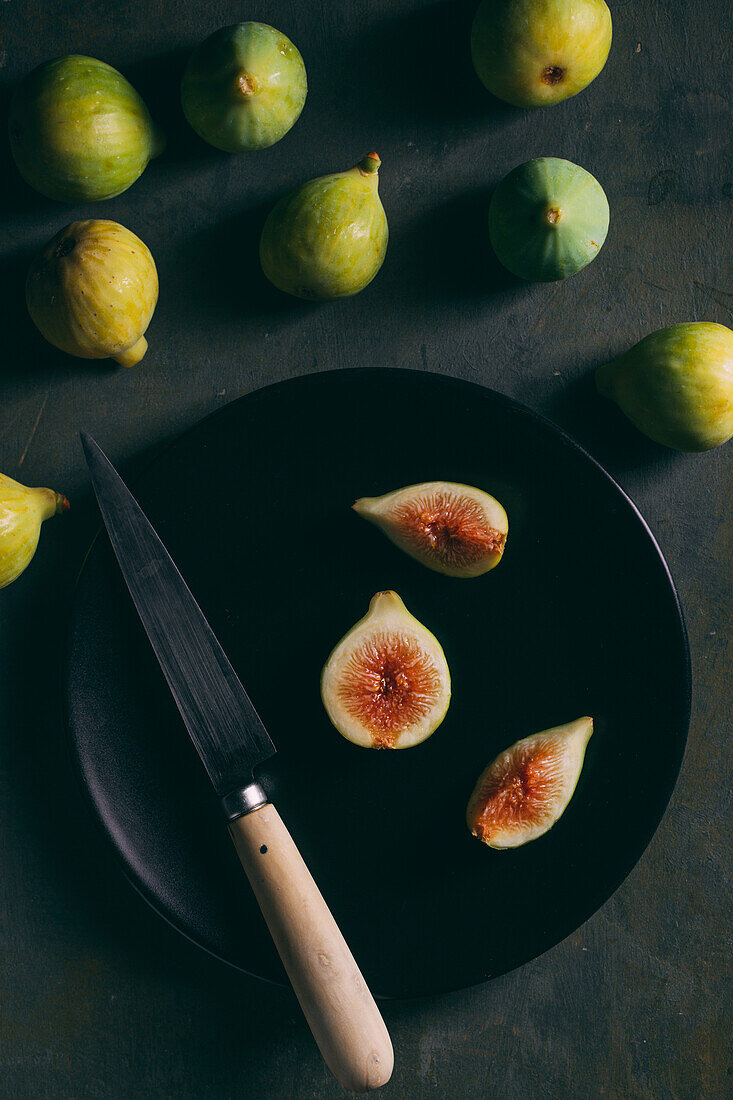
point(318, 377)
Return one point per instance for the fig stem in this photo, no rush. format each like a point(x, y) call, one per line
point(370, 164)
point(133, 355)
point(53, 503)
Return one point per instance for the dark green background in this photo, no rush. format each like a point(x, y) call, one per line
point(98, 998)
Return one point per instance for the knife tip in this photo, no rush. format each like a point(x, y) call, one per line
point(88, 442)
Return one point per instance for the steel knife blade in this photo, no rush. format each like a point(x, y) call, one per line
point(224, 726)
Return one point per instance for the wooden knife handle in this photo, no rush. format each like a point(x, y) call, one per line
point(338, 1006)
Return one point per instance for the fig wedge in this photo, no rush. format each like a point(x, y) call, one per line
point(454, 529)
point(527, 788)
point(386, 685)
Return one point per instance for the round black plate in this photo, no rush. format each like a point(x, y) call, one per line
point(581, 617)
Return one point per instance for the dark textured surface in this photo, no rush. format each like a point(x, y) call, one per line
point(98, 998)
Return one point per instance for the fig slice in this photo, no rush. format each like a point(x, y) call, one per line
point(454, 529)
point(527, 788)
point(386, 685)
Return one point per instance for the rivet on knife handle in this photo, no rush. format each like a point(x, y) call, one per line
point(336, 1002)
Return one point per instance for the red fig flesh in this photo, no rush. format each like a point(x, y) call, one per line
point(454, 529)
point(527, 788)
point(386, 685)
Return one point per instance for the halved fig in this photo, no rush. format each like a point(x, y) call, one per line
point(455, 529)
point(386, 685)
point(527, 788)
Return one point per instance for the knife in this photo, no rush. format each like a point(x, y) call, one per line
point(231, 740)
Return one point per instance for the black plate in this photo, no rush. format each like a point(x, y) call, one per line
point(581, 617)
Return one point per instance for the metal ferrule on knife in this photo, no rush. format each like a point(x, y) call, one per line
point(243, 801)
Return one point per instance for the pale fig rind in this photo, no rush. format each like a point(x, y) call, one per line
point(386, 684)
point(676, 385)
point(328, 238)
point(527, 788)
point(454, 529)
point(93, 290)
point(22, 511)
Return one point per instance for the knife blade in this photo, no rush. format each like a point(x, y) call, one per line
point(231, 740)
point(224, 726)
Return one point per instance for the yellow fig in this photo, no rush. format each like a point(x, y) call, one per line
point(22, 511)
point(533, 53)
point(93, 290)
point(676, 385)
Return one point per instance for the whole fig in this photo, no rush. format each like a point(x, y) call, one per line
point(22, 511)
point(328, 238)
point(93, 290)
point(548, 219)
point(79, 132)
point(244, 87)
point(676, 385)
point(533, 53)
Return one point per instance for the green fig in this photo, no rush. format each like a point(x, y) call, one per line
point(548, 219)
point(22, 511)
point(533, 53)
point(386, 685)
point(92, 291)
point(328, 238)
point(676, 385)
point(244, 87)
point(454, 529)
point(79, 132)
point(528, 787)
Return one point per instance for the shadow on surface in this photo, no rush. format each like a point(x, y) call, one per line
point(221, 270)
point(26, 355)
point(417, 69)
point(600, 426)
point(19, 198)
point(444, 254)
point(158, 80)
point(17, 326)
